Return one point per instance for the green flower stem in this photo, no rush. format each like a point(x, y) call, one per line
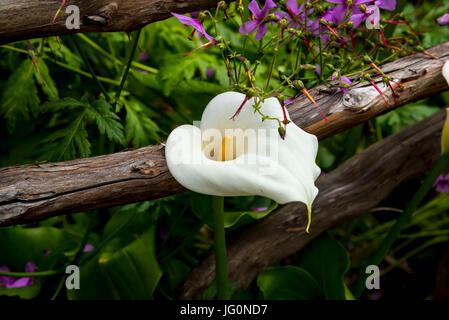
point(32, 274)
point(112, 57)
point(221, 262)
point(83, 73)
point(441, 166)
point(130, 60)
point(89, 67)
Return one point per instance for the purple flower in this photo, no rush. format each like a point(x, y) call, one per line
point(47, 252)
point(443, 20)
point(194, 14)
point(259, 209)
point(295, 13)
point(11, 282)
point(88, 248)
point(337, 14)
point(343, 80)
point(209, 73)
point(198, 26)
point(142, 71)
point(442, 183)
point(389, 5)
point(259, 15)
point(143, 56)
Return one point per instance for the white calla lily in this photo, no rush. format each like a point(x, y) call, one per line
point(244, 156)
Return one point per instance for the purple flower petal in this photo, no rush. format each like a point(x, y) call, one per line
point(292, 5)
point(254, 8)
point(442, 183)
point(5, 280)
point(209, 73)
point(259, 209)
point(357, 18)
point(261, 31)
point(269, 4)
point(357, 2)
point(389, 5)
point(346, 80)
point(187, 21)
point(143, 56)
point(21, 282)
point(337, 1)
point(249, 27)
point(443, 20)
point(88, 248)
point(30, 267)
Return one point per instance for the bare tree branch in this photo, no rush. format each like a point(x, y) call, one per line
point(38, 191)
point(346, 193)
point(26, 19)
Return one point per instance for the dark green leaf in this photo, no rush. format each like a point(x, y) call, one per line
point(288, 283)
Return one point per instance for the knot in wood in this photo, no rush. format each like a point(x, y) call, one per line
point(103, 16)
point(146, 168)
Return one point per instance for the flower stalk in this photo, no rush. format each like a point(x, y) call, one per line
point(221, 263)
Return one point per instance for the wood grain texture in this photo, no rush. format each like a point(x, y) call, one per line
point(26, 19)
point(35, 192)
point(346, 193)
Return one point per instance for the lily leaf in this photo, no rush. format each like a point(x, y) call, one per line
point(327, 260)
point(131, 272)
point(202, 208)
point(29, 245)
point(288, 283)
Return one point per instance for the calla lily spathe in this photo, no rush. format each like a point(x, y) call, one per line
point(280, 169)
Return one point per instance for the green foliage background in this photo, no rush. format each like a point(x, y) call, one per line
point(145, 250)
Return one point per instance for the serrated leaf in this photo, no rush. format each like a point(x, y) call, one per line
point(70, 142)
point(54, 106)
point(20, 95)
point(48, 86)
point(139, 129)
point(107, 121)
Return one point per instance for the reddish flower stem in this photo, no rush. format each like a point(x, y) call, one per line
point(307, 94)
point(239, 109)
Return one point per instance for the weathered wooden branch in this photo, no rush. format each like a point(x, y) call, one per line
point(346, 193)
point(38, 191)
point(26, 19)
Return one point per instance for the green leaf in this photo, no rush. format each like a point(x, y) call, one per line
point(139, 129)
point(70, 142)
point(20, 95)
point(26, 245)
point(288, 283)
point(107, 121)
point(327, 260)
point(48, 86)
point(58, 105)
point(129, 273)
point(175, 271)
point(202, 205)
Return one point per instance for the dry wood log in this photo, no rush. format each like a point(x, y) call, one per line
point(25, 19)
point(38, 191)
point(346, 193)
